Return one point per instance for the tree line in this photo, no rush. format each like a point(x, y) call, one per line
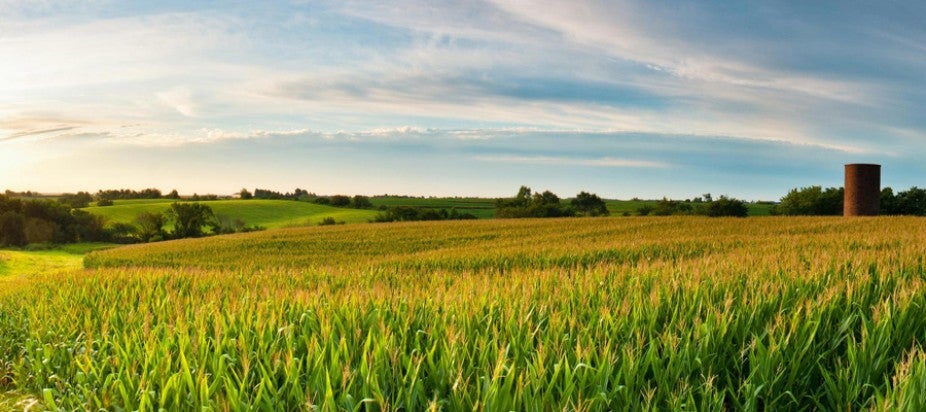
point(189, 219)
point(40, 221)
point(526, 203)
point(547, 204)
point(47, 221)
point(354, 202)
point(705, 205)
point(414, 214)
point(815, 200)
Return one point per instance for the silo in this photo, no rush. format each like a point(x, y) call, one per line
point(863, 190)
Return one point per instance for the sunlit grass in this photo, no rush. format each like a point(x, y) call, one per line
point(265, 213)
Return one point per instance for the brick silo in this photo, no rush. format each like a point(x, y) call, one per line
point(863, 190)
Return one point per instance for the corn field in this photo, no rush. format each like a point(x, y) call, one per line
point(677, 313)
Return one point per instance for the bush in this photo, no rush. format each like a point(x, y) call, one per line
point(340, 201)
point(190, 218)
point(412, 214)
point(526, 204)
point(910, 202)
point(589, 204)
point(150, 226)
point(665, 207)
point(12, 229)
point(123, 233)
point(104, 202)
point(361, 202)
point(726, 206)
point(76, 201)
point(39, 230)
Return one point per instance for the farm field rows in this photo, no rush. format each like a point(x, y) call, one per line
point(675, 313)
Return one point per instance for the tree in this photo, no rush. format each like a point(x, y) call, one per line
point(224, 224)
point(189, 218)
point(301, 194)
point(76, 201)
point(38, 230)
point(411, 213)
point(911, 202)
point(112, 194)
point(121, 232)
point(66, 229)
point(514, 207)
point(547, 204)
point(12, 229)
point(245, 194)
point(9, 204)
point(87, 227)
point(665, 207)
point(173, 194)
point(340, 201)
point(361, 202)
point(150, 226)
point(812, 200)
point(525, 204)
point(888, 202)
point(589, 204)
point(726, 206)
point(831, 201)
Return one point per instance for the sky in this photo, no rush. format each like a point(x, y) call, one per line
point(460, 98)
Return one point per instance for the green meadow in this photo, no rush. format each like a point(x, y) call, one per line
point(266, 213)
point(620, 207)
point(482, 208)
point(64, 257)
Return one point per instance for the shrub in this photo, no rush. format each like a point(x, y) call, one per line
point(726, 206)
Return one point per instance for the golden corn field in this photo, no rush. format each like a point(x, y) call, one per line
point(676, 313)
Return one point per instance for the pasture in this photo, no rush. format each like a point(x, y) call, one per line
point(675, 313)
point(266, 213)
point(484, 208)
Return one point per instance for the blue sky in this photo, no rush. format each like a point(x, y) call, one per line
point(622, 98)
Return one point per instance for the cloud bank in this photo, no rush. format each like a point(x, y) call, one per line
point(561, 83)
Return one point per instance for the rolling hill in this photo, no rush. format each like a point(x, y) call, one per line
point(267, 213)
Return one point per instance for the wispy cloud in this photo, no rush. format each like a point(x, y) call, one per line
point(569, 161)
point(36, 132)
point(580, 83)
point(179, 99)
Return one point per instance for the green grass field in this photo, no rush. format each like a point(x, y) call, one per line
point(621, 313)
point(266, 213)
point(484, 208)
point(26, 263)
point(619, 207)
